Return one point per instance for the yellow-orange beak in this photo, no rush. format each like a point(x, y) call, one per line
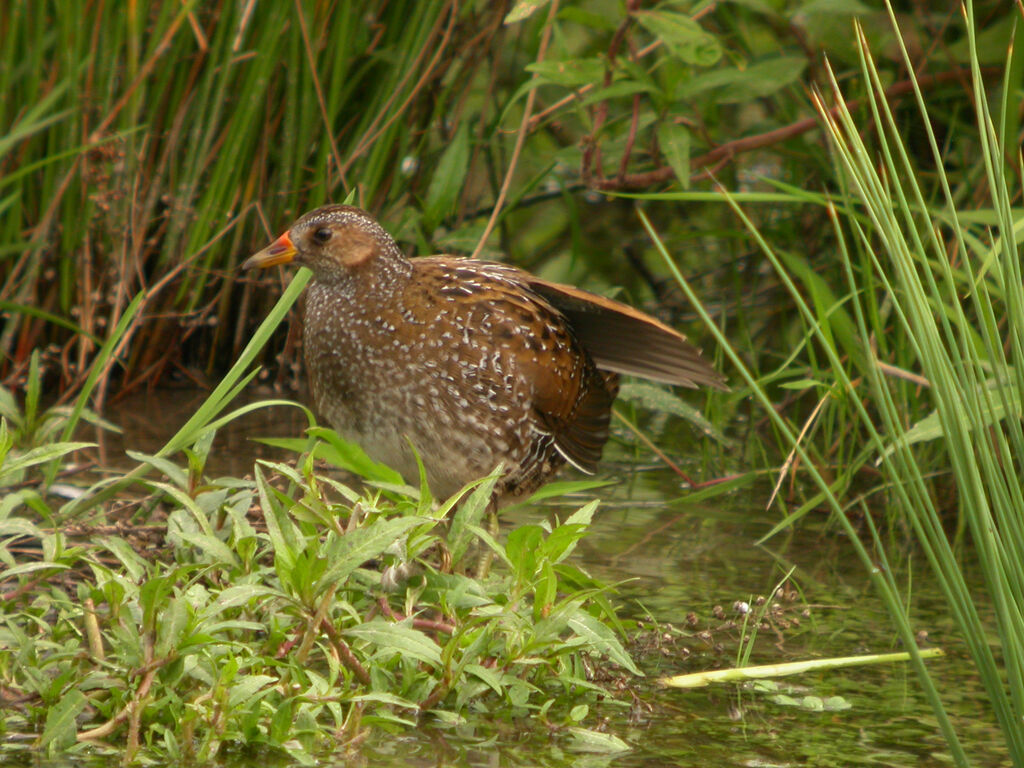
point(281, 251)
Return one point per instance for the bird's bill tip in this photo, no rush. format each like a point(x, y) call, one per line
point(281, 251)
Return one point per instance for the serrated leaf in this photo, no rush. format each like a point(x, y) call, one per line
point(362, 544)
point(602, 640)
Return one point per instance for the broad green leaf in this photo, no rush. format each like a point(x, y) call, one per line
point(60, 731)
point(524, 9)
point(448, 179)
point(602, 639)
point(44, 453)
point(390, 638)
point(597, 742)
point(682, 35)
point(570, 73)
point(348, 455)
point(675, 144)
point(356, 547)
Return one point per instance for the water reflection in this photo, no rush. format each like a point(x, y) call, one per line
point(149, 419)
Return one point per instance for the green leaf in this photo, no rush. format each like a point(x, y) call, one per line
point(586, 740)
point(522, 549)
point(449, 177)
point(602, 639)
point(570, 73)
point(356, 547)
point(683, 36)
point(469, 513)
point(348, 455)
point(604, 22)
point(246, 687)
point(16, 463)
point(664, 401)
point(991, 410)
point(494, 679)
point(174, 620)
point(765, 78)
point(239, 594)
point(617, 90)
point(735, 86)
point(524, 9)
point(675, 144)
point(60, 731)
point(168, 468)
point(391, 638)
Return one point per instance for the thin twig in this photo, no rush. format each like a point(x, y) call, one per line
point(345, 653)
point(657, 451)
point(319, 91)
point(725, 152)
point(520, 138)
point(373, 132)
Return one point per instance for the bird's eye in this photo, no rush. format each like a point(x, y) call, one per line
point(322, 235)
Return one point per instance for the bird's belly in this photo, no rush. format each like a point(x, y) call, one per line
point(453, 451)
point(458, 439)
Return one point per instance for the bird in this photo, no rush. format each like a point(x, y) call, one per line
point(470, 365)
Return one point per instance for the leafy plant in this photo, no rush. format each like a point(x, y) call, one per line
point(332, 613)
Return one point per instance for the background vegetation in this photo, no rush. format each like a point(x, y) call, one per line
point(855, 253)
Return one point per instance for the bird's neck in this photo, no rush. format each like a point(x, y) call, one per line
point(375, 280)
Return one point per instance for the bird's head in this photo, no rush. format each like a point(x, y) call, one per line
point(334, 241)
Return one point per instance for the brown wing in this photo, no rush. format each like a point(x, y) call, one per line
point(625, 340)
point(571, 400)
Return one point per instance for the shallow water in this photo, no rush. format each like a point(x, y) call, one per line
point(674, 562)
